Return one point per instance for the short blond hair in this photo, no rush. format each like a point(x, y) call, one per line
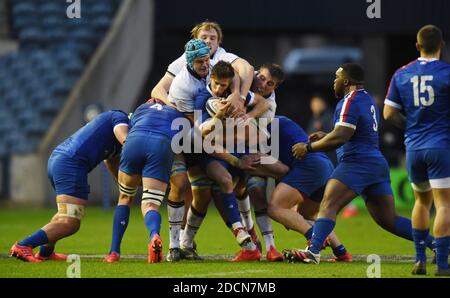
point(207, 25)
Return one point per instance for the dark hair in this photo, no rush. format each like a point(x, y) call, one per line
point(222, 70)
point(354, 73)
point(429, 38)
point(275, 71)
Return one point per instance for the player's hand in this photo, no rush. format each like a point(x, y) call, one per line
point(248, 162)
point(314, 137)
point(223, 110)
point(299, 150)
point(237, 105)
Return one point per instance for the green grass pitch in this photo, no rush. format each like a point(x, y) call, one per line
point(360, 235)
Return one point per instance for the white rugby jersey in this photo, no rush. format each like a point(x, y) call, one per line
point(183, 90)
point(176, 66)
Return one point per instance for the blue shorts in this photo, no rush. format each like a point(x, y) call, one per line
point(369, 177)
point(429, 165)
point(310, 175)
point(68, 176)
point(147, 154)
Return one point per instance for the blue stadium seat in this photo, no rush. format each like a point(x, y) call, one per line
point(31, 37)
point(52, 8)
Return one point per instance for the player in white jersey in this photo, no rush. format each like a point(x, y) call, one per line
point(211, 33)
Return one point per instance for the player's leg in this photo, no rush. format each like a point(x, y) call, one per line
point(153, 195)
point(420, 220)
point(337, 196)
point(257, 194)
point(201, 190)
point(381, 206)
point(441, 228)
point(69, 180)
point(120, 221)
point(251, 190)
point(63, 224)
point(280, 209)
point(179, 195)
point(309, 209)
point(438, 162)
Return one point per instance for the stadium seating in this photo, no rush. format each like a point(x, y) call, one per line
point(53, 52)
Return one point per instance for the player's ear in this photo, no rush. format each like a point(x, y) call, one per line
point(418, 46)
point(346, 82)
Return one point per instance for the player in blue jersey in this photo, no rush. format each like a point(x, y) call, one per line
point(147, 157)
point(68, 168)
point(362, 169)
point(303, 186)
point(421, 90)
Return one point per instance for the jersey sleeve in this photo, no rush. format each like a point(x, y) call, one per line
point(181, 96)
point(119, 118)
point(393, 96)
point(350, 113)
point(176, 66)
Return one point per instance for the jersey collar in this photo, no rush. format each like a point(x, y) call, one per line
point(427, 59)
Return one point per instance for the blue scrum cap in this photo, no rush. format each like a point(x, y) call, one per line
point(194, 49)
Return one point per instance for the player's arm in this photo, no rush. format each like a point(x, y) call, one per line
point(121, 132)
point(260, 106)
point(393, 115)
point(393, 105)
point(241, 84)
point(161, 89)
point(112, 164)
point(339, 136)
point(208, 126)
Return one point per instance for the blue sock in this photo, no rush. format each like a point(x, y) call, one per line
point(403, 228)
point(46, 250)
point(322, 228)
point(228, 224)
point(36, 239)
point(231, 206)
point(420, 244)
point(339, 251)
point(120, 223)
point(431, 243)
point(309, 233)
point(152, 220)
point(442, 245)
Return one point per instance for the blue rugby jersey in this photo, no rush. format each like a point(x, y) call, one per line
point(422, 90)
point(95, 141)
point(359, 111)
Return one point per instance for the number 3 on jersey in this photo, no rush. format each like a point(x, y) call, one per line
point(374, 115)
point(421, 100)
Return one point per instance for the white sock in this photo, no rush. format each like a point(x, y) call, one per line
point(175, 212)
point(194, 221)
point(265, 226)
point(245, 210)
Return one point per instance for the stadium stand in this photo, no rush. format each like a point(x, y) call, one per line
point(53, 51)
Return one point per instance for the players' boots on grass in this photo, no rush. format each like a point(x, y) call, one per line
point(174, 255)
point(420, 268)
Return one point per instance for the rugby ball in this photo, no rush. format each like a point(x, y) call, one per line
point(212, 105)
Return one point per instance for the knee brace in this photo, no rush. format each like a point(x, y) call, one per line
point(126, 190)
point(71, 210)
point(153, 196)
